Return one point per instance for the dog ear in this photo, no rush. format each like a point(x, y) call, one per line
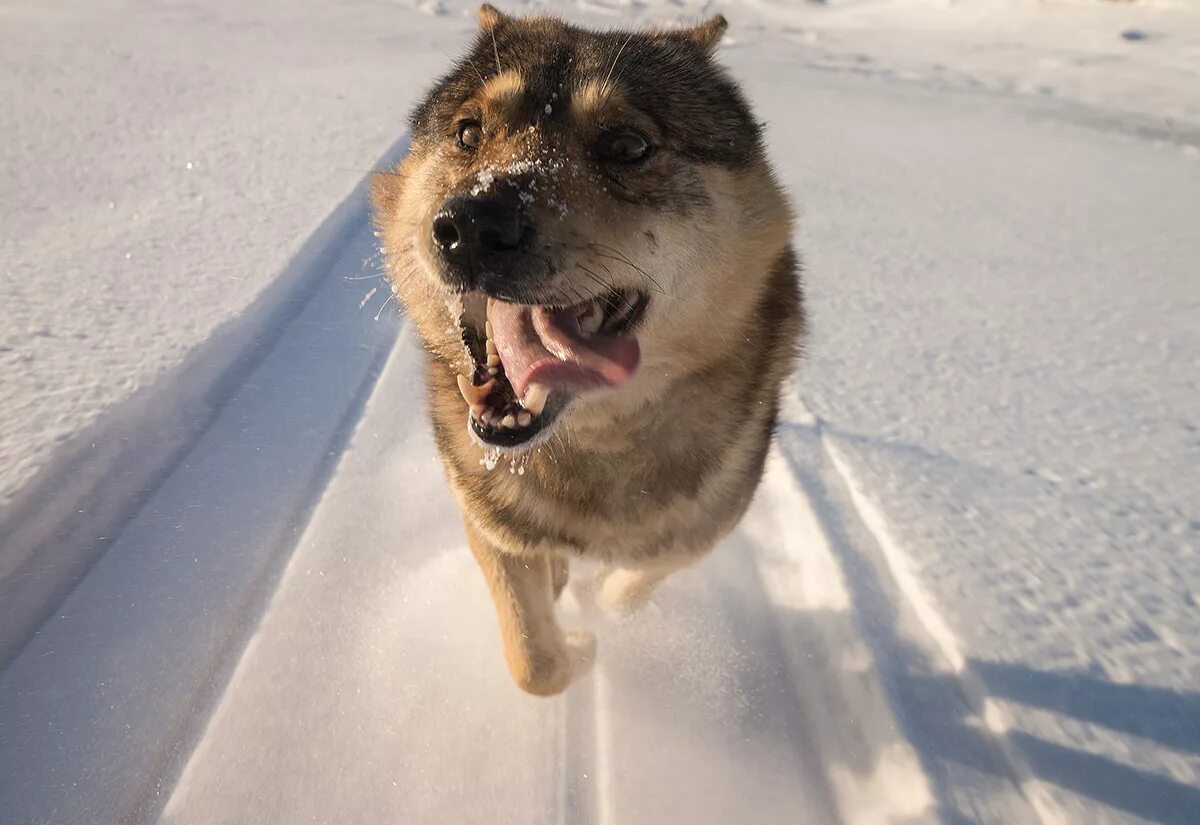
point(707, 34)
point(490, 17)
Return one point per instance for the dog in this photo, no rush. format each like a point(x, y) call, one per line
point(596, 255)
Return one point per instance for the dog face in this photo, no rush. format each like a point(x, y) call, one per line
point(569, 227)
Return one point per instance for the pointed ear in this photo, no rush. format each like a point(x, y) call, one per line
point(708, 34)
point(490, 17)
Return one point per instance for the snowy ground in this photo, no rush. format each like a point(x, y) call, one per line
point(969, 591)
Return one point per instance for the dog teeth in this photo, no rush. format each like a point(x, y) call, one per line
point(524, 418)
point(487, 327)
point(466, 388)
point(472, 394)
point(535, 398)
point(493, 370)
point(493, 354)
point(627, 302)
point(508, 422)
point(589, 322)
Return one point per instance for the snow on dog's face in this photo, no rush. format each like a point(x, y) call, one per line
point(570, 223)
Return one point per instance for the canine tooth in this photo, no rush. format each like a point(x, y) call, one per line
point(491, 347)
point(524, 417)
point(493, 360)
point(478, 410)
point(508, 422)
point(466, 388)
point(472, 394)
point(535, 398)
point(487, 328)
point(589, 323)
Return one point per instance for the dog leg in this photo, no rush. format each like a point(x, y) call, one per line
point(625, 590)
point(542, 659)
point(560, 573)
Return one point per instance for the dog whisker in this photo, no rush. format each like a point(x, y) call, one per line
point(392, 173)
point(467, 62)
point(621, 259)
point(496, 51)
point(615, 254)
point(604, 86)
point(596, 278)
point(390, 298)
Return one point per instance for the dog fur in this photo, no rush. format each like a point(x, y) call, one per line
point(647, 477)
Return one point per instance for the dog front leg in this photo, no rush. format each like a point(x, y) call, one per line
point(542, 659)
point(624, 590)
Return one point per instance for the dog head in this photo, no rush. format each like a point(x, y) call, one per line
point(582, 215)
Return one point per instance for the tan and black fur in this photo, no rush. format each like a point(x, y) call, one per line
point(647, 477)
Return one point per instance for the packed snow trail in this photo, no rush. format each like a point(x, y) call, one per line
point(966, 593)
point(99, 707)
point(689, 717)
point(812, 666)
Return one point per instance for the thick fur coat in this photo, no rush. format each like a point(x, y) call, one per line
point(634, 168)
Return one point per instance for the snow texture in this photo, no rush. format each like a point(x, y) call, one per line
point(967, 592)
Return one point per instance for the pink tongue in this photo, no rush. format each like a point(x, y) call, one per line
point(542, 345)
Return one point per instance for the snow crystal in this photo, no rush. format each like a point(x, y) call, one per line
point(367, 296)
point(546, 165)
point(486, 178)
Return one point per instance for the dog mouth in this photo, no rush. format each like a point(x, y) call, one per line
point(531, 360)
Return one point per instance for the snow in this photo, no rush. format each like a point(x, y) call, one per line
point(696, 684)
point(968, 590)
point(149, 176)
point(1036, 451)
point(1134, 61)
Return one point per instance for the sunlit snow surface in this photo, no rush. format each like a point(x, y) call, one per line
point(968, 592)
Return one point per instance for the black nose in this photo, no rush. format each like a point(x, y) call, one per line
point(474, 228)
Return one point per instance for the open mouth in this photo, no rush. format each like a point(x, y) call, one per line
point(531, 359)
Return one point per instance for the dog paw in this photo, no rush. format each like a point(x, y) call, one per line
point(548, 674)
point(623, 592)
point(581, 650)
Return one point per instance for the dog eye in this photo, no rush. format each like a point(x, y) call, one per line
point(470, 135)
point(626, 147)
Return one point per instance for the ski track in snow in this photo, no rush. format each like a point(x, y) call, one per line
point(699, 683)
point(935, 612)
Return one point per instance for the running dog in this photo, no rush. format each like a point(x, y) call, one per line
point(591, 244)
